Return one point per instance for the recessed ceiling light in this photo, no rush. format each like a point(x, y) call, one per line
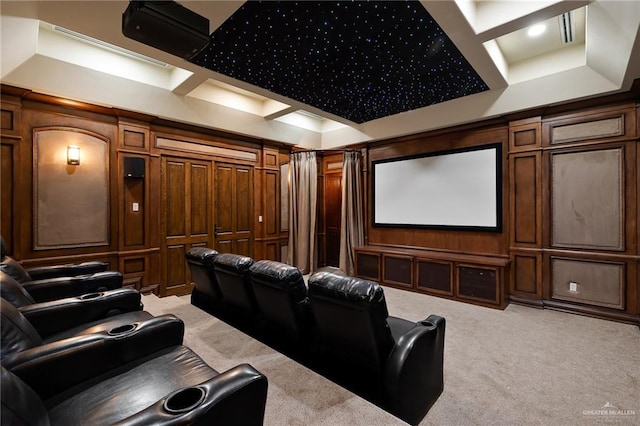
point(536, 30)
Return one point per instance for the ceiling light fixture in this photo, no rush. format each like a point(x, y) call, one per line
point(536, 30)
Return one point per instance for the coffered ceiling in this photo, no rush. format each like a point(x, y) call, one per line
point(329, 74)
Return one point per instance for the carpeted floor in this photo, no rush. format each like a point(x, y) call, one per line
point(520, 366)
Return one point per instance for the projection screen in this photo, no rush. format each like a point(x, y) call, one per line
point(447, 189)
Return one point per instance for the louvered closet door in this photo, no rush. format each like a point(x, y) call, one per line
point(234, 209)
point(187, 218)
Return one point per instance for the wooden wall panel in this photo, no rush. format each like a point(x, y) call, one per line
point(6, 193)
point(271, 202)
point(176, 277)
point(397, 269)
point(527, 270)
point(199, 181)
point(234, 208)
point(174, 192)
point(134, 224)
point(526, 199)
point(525, 134)
point(10, 113)
point(434, 276)
point(243, 198)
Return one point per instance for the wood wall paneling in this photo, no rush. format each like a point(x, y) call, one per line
point(271, 202)
point(526, 199)
point(434, 276)
point(478, 283)
point(525, 134)
point(134, 213)
point(477, 242)
point(138, 272)
point(367, 265)
point(134, 137)
point(527, 275)
point(200, 212)
point(187, 218)
point(397, 270)
point(476, 279)
point(176, 281)
point(591, 213)
point(10, 114)
point(591, 126)
point(233, 209)
point(7, 184)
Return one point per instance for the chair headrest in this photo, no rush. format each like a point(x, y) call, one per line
point(235, 262)
point(343, 287)
point(275, 271)
point(201, 256)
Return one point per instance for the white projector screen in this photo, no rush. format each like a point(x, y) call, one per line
point(448, 189)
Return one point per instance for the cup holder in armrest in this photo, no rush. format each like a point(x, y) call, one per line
point(426, 323)
point(90, 296)
point(123, 329)
point(184, 400)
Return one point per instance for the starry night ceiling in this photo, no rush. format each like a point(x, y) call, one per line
point(357, 60)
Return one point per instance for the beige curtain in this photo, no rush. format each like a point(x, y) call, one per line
point(352, 223)
point(303, 170)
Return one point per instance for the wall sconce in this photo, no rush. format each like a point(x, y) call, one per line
point(73, 155)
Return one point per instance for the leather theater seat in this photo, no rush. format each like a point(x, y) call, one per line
point(232, 274)
point(22, 274)
point(138, 376)
point(206, 293)
point(51, 284)
point(400, 361)
point(281, 296)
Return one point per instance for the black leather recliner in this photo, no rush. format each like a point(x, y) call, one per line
point(127, 376)
point(57, 288)
point(400, 361)
point(281, 296)
point(66, 317)
point(22, 274)
point(206, 293)
point(232, 274)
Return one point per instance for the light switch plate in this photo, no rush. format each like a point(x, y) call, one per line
point(135, 207)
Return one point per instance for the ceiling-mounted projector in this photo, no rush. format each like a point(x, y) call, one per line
point(166, 25)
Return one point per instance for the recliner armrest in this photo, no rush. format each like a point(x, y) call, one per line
point(68, 270)
point(57, 288)
point(413, 375)
point(52, 317)
point(237, 396)
point(55, 367)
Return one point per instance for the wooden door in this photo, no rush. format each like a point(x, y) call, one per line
point(233, 214)
point(186, 218)
point(333, 217)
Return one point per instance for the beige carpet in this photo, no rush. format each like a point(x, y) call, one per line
point(520, 366)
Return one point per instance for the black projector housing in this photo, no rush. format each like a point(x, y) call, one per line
point(166, 25)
